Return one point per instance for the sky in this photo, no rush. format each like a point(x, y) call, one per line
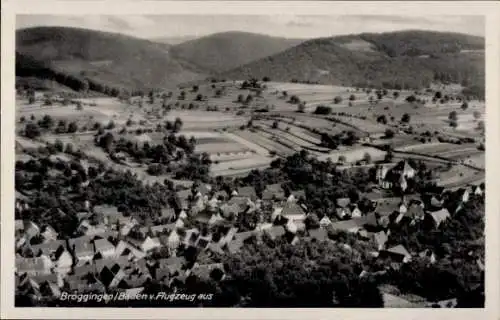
point(290, 26)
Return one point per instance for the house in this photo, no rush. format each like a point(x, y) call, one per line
point(127, 227)
point(126, 249)
point(173, 240)
point(104, 248)
point(162, 229)
point(213, 271)
point(397, 253)
point(48, 248)
point(404, 169)
point(215, 248)
point(477, 190)
point(228, 236)
point(63, 260)
point(415, 213)
point(381, 175)
point(275, 232)
point(18, 226)
point(273, 192)
point(450, 303)
point(247, 192)
point(318, 234)
point(393, 301)
point(230, 210)
point(380, 238)
point(428, 254)
point(184, 198)
point(31, 229)
point(352, 225)
point(82, 249)
point(191, 236)
point(48, 233)
point(167, 215)
point(150, 244)
point(356, 212)
point(33, 266)
point(293, 211)
point(298, 194)
point(202, 242)
point(325, 222)
point(388, 207)
point(463, 194)
point(439, 217)
point(169, 267)
point(107, 214)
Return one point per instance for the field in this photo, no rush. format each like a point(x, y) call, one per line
point(236, 149)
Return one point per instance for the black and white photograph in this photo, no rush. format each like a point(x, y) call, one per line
point(249, 161)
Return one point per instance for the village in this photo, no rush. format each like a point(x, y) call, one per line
point(112, 252)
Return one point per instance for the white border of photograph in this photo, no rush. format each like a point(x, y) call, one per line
point(489, 9)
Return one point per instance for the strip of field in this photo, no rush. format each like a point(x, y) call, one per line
point(214, 148)
point(250, 162)
point(353, 155)
point(265, 143)
point(240, 137)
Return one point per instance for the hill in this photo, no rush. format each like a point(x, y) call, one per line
point(174, 40)
point(106, 60)
point(411, 59)
point(228, 50)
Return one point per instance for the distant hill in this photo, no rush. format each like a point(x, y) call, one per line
point(411, 59)
point(106, 60)
point(174, 40)
point(228, 50)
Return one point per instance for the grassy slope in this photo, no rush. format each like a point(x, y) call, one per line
point(228, 50)
point(390, 57)
point(111, 59)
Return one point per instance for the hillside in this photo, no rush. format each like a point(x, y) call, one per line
point(228, 50)
point(408, 59)
point(105, 59)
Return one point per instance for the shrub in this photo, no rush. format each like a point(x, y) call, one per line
point(323, 110)
point(337, 99)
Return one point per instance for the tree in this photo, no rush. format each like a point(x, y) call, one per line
point(47, 122)
point(389, 156)
point(405, 118)
point(411, 99)
point(79, 106)
point(151, 97)
point(31, 130)
point(382, 119)
point(477, 115)
point(395, 94)
point(480, 126)
point(367, 157)
point(275, 125)
point(249, 99)
point(294, 99)
point(453, 124)
point(337, 100)
point(301, 108)
point(323, 110)
point(106, 141)
point(59, 145)
point(72, 127)
point(389, 134)
point(177, 124)
point(240, 98)
point(195, 88)
point(342, 159)
point(352, 97)
point(453, 116)
point(465, 105)
point(438, 95)
point(199, 97)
